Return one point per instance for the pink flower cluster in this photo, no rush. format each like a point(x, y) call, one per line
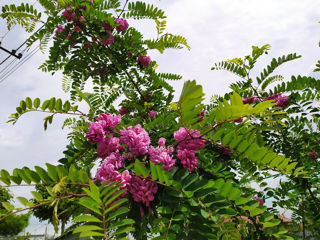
point(144, 60)
point(249, 100)
point(106, 122)
point(69, 15)
point(162, 155)
point(143, 190)
point(123, 24)
point(261, 202)
point(136, 138)
point(114, 155)
point(109, 40)
point(189, 142)
point(189, 139)
point(313, 155)
point(60, 28)
point(281, 101)
point(153, 113)
point(188, 159)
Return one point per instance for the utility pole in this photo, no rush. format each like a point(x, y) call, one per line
point(12, 52)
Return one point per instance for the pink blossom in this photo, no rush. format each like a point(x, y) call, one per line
point(109, 40)
point(109, 121)
point(82, 19)
point(106, 26)
point(190, 141)
point(107, 172)
point(87, 45)
point(96, 133)
point(142, 189)
point(188, 159)
point(249, 100)
point(261, 202)
point(107, 146)
point(201, 115)
point(281, 101)
point(69, 36)
point(123, 24)
point(162, 155)
point(77, 29)
point(161, 142)
point(115, 159)
point(225, 151)
point(313, 155)
point(123, 111)
point(137, 139)
point(152, 113)
point(239, 120)
point(144, 60)
point(69, 15)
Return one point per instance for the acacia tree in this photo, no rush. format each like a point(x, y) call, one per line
point(166, 170)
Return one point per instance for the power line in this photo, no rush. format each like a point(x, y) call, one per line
point(17, 66)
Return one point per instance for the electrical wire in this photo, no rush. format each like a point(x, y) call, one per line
point(17, 66)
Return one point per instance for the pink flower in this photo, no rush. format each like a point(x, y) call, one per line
point(142, 189)
point(87, 45)
point(123, 111)
point(69, 15)
point(239, 120)
point(109, 40)
point(225, 151)
point(123, 24)
point(152, 113)
point(162, 155)
point(281, 101)
point(82, 19)
point(137, 139)
point(249, 100)
point(201, 114)
point(107, 172)
point(188, 159)
point(109, 121)
point(144, 60)
point(77, 29)
point(115, 159)
point(106, 26)
point(96, 133)
point(261, 202)
point(313, 155)
point(69, 36)
point(190, 141)
point(162, 142)
point(107, 146)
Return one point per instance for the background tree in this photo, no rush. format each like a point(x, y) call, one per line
point(13, 224)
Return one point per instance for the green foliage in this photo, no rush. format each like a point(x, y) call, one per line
point(139, 10)
point(104, 201)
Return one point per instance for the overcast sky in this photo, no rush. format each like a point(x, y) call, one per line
point(216, 30)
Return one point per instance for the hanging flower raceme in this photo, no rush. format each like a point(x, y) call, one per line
point(188, 159)
point(109, 121)
point(144, 60)
point(249, 100)
point(189, 139)
point(69, 15)
point(162, 155)
point(143, 189)
point(123, 24)
point(109, 40)
point(136, 138)
point(152, 113)
point(281, 101)
point(60, 28)
point(108, 146)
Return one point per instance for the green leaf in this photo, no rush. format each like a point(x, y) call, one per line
point(37, 196)
point(52, 172)
point(90, 204)
point(8, 206)
point(139, 169)
point(86, 218)
point(36, 102)
point(118, 212)
point(42, 174)
point(29, 103)
point(85, 228)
